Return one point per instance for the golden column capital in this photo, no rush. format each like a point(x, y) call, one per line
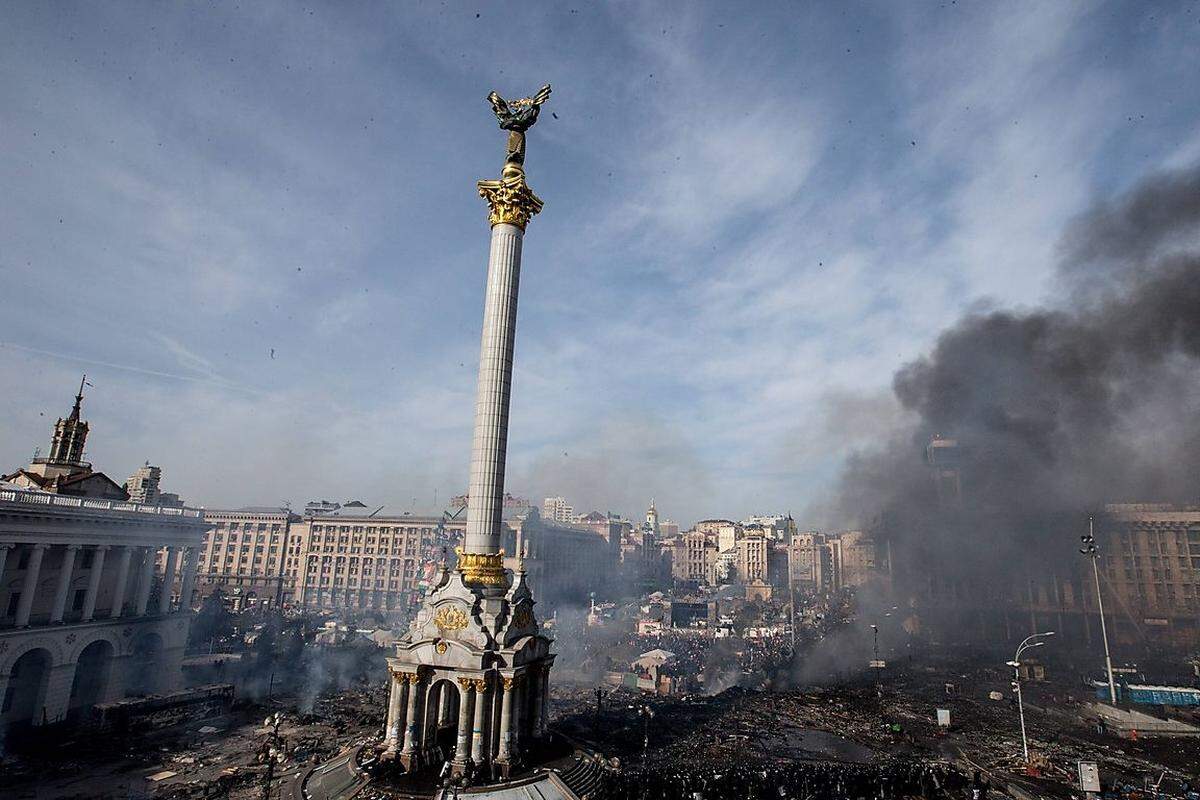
point(510, 199)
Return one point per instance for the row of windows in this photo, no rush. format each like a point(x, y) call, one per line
point(368, 529)
point(246, 537)
point(234, 525)
point(380, 583)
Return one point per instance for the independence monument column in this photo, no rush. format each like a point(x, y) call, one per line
point(475, 651)
point(512, 204)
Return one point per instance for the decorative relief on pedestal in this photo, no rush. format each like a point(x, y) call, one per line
point(510, 199)
point(481, 569)
point(450, 618)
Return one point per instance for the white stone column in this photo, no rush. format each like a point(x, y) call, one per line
point(481, 697)
point(189, 579)
point(64, 583)
point(462, 749)
point(410, 717)
point(93, 587)
point(395, 709)
point(33, 571)
point(503, 753)
point(118, 602)
point(145, 582)
point(489, 445)
point(4, 548)
point(169, 565)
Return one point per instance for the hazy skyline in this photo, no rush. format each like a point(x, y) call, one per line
point(256, 228)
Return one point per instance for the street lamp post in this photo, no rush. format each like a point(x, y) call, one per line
point(1092, 551)
point(647, 713)
point(875, 660)
point(1030, 641)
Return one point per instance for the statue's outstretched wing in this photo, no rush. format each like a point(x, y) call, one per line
point(499, 106)
point(543, 94)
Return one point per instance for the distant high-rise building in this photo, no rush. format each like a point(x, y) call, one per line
point(944, 457)
point(557, 509)
point(142, 485)
point(668, 529)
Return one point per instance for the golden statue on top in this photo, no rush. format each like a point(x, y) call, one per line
point(516, 117)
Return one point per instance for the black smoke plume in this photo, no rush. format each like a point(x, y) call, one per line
point(1059, 410)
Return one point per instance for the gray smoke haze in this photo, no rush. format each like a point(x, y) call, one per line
point(1059, 409)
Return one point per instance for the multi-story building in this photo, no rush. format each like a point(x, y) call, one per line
point(249, 556)
point(780, 527)
point(564, 563)
point(359, 558)
point(727, 532)
point(692, 556)
point(751, 563)
point(557, 509)
point(852, 559)
point(1149, 559)
point(84, 619)
point(810, 558)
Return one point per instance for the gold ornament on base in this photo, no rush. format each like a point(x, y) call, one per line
point(481, 569)
point(450, 618)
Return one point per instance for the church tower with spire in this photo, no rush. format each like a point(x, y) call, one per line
point(70, 435)
point(652, 518)
point(63, 470)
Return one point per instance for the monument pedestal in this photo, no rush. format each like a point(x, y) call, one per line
point(465, 650)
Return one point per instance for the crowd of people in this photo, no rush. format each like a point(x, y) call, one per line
point(800, 780)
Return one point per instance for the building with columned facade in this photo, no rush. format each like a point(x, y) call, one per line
point(87, 611)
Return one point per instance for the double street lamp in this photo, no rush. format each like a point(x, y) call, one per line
point(1030, 641)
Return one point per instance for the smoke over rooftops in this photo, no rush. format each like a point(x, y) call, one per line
point(1061, 409)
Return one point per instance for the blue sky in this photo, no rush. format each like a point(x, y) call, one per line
point(754, 215)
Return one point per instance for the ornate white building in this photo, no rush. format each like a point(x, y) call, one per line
point(84, 619)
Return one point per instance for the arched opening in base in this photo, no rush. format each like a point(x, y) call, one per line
point(93, 670)
point(24, 701)
point(441, 722)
